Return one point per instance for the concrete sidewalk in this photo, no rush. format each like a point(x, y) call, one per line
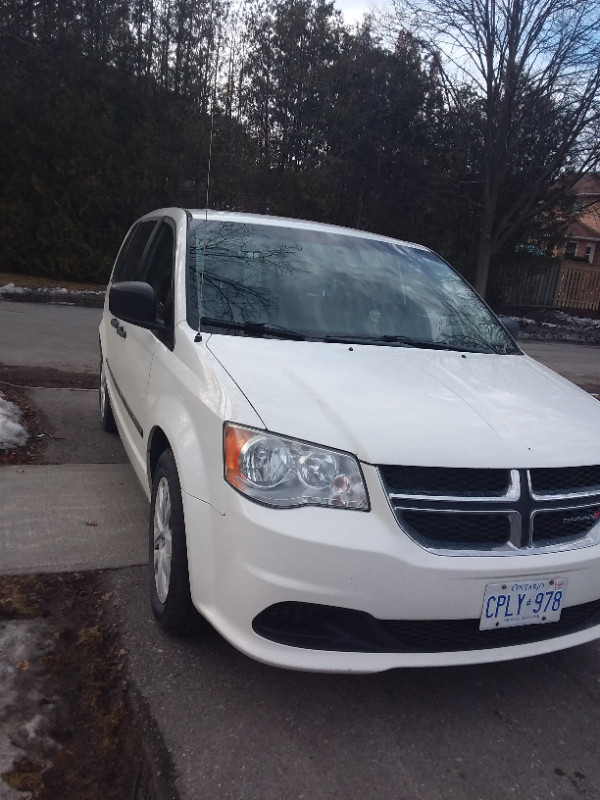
point(69, 517)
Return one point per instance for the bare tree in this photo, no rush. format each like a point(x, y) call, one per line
point(534, 66)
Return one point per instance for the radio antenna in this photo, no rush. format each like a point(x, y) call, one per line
point(200, 290)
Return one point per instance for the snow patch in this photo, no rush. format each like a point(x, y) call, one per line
point(556, 325)
point(577, 322)
point(12, 433)
point(54, 294)
point(10, 288)
point(62, 290)
point(26, 716)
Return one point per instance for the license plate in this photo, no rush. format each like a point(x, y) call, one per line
point(526, 601)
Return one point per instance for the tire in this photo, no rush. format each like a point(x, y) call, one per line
point(169, 579)
point(107, 420)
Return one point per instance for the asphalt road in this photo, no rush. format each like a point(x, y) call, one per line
point(45, 335)
point(579, 363)
point(240, 730)
point(66, 337)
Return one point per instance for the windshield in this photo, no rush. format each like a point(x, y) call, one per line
point(266, 280)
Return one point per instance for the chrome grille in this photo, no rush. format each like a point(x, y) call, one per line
point(496, 512)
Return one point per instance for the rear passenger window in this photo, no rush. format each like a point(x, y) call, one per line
point(129, 261)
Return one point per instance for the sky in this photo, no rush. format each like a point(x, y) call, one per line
point(353, 10)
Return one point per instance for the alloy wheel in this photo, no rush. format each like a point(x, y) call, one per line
point(163, 539)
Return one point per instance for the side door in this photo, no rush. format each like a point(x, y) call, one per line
point(131, 347)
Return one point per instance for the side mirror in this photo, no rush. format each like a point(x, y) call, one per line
point(134, 302)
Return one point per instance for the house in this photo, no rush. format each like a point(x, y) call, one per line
point(571, 279)
point(578, 285)
point(583, 236)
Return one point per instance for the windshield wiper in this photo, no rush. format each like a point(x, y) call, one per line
point(423, 344)
point(471, 344)
point(466, 344)
point(400, 341)
point(255, 328)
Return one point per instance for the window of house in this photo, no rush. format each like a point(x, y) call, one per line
point(589, 252)
point(570, 249)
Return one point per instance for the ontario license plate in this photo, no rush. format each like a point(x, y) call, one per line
point(526, 601)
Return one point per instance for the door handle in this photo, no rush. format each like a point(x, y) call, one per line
point(118, 327)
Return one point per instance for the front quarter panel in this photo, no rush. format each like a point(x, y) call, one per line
point(190, 395)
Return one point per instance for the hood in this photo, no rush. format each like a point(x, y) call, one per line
point(400, 405)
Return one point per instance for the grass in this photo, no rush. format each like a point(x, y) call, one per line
point(37, 282)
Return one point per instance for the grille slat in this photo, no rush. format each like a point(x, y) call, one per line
point(458, 529)
point(442, 482)
point(567, 480)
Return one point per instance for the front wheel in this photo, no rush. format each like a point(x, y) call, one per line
point(169, 579)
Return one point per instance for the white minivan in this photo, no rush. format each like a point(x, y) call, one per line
point(351, 464)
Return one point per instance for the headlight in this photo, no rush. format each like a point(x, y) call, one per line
point(286, 473)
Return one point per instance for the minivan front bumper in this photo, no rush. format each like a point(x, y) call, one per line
point(330, 590)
